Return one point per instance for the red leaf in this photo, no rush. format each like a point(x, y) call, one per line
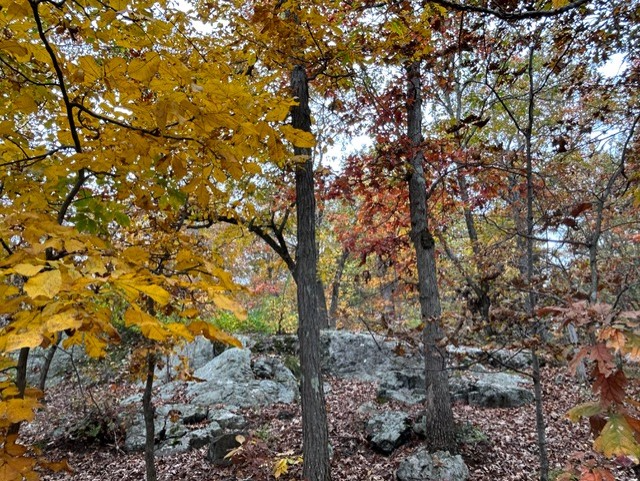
point(580, 208)
point(602, 355)
point(611, 387)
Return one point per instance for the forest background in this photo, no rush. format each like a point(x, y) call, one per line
point(153, 155)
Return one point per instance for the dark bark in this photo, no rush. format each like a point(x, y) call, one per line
point(323, 313)
point(531, 296)
point(540, 421)
point(440, 426)
point(44, 372)
point(335, 287)
point(148, 411)
point(21, 382)
point(315, 437)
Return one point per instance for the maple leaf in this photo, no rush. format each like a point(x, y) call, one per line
point(614, 338)
point(603, 357)
point(611, 388)
point(617, 439)
point(46, 284)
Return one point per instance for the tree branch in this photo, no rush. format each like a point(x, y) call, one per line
point(501, 14)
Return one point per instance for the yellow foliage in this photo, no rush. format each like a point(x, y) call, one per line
point(46, 284)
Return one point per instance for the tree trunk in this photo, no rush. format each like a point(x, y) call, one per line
point(323, 314)
point(315, 437)
point(44, 372)
point(335, 288)
point(440, 427)
point(149, 425)
point(531, 299)
point(21, 382)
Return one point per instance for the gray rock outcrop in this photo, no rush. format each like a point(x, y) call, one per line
point(174, 432)
point(481, 388)
point(491, 389)
point(440, 466)
point(388, 430)
point(230, 380)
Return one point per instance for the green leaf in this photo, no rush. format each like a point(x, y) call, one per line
point(585, 410)
point(617, 439)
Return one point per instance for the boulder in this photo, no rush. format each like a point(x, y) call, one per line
point(361, 356)
point(388, 430)
point(222, 445)
point(439, 466)
point(491, 389)
point(481, 388)
point(173, 428)
point(499, 358)
point(231, 380)
point(406, 387)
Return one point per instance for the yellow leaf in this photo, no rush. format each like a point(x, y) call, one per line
point(252, 168)
point(150, 327)
point(190, 313)
point(135, 254)
point(92, 71)
point(13, 449)
point(18, 410)
point(94, 346)
point(202, 328)
point(61, 322)
point(180, 331)
point(133, 288)
point(27, 270)
point(299, 138)
point(144, 69)
point(617, 439)
point(19, 52)
point(74, 245)
point(46, 284)
point(14, 341)
point(223, 302)
point(279, 112)
point(25, 104)
point(281, 467)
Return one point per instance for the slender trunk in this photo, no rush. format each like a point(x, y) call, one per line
point(21, 382)
point(540, 422)
point(440, 427)
point(149, 414)
point(481, 288)
point(531, 297)
point(315, 436)
point(44, 372)
point(335, 288)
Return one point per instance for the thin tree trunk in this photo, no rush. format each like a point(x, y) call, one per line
point(149, 414)
point(540, 422)
point(44, 372)
point(315, 436)
point(21, 382)
point(440, 426)
point(335, 288)
point(531, 296)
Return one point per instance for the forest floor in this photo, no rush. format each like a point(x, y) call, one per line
point(509, 452)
